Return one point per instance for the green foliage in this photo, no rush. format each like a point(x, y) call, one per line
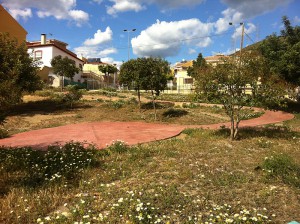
point(283, 52)
point(116, 104)
point(145, 73)
point(3, 133)
point(18, 74)
point(198, 64)
point(110, 89)
point(230, 82)
point(56, 164)
point(174, 113)
point(283, 167)
point(64, 67)
point(74, 94)
point(117, 146)
point(190, 105)
point(107, 69)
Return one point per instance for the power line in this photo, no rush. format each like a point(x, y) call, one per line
point(175, 41)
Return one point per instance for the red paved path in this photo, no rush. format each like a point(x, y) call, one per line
point(102, 133)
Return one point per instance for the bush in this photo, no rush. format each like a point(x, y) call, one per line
point(3, 133)
point(118, 146)
point(190, 105)
point(174, 113)
point(282, 166)
point(74, 94)
point(57, 163)
point(116, 104)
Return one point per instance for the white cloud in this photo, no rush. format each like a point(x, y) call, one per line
point(229, 16)
point(79, 16)
point(165, 39)
point(167, 4)
point(59, 9)
point(100, 37)
point(94, 51)
point(296, 19)
point(107, 51)
point(24, 13)
point(93, 47)
point(238, 31)
point(192, 51)
point(123, 6)
point(253, 8)
point(98, 1)
point(138, 5)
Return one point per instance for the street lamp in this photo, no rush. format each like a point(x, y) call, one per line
point(242, 37)
point(128, 31)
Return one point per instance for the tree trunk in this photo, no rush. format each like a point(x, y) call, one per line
point(153, 102)
point(139, 98)
point(232, 128)
point(62, 83)
point(238, 120)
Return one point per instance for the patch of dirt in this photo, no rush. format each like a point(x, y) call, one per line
point(38, 118)
point(33, 98)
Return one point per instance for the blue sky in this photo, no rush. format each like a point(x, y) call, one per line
point(172, 29)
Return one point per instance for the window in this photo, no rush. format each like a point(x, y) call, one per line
point(38, 54)
point(188, 81)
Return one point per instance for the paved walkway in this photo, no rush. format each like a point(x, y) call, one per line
point(103, 133)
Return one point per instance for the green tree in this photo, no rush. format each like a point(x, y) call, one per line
point(198, 64)
point(132, 76)
point(156, 73)
point(64, 67)
point(107, 70)
point(230, 82)
point(18, 73)
point(147, 74)
point(283, 52)
point(74, 94)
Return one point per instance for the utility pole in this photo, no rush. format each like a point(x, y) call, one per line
point(242, 38)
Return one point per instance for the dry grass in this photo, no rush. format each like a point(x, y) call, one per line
point(193, 178)
point(42, 112)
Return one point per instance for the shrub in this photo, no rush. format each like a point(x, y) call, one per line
point(110, 89)
point(116, 104)
point(190, 105)
point(57, 163)
point(174, 113)
point(74, 94)
point(118, 146)
point(3, 133)
point(283, 167)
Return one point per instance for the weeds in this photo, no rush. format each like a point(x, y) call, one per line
point(3, 132)
point(283, 167)
point(174, 113)
point(56, 164)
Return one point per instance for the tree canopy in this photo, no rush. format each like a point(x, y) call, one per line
point(145, 73)
point(283, 52)
point(64, 67)
point(107, 69)
point(239, 82)
point(198, 64)
point(18, 73)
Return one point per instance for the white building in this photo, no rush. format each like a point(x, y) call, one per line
point(44, 51)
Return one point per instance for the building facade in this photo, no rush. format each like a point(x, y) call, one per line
point(44, 51)
point(9, 25)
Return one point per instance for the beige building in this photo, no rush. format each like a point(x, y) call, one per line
point(185, 83)
point(9, 25)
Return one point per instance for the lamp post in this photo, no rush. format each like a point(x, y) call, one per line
point(128, 31)
point(242, 36)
